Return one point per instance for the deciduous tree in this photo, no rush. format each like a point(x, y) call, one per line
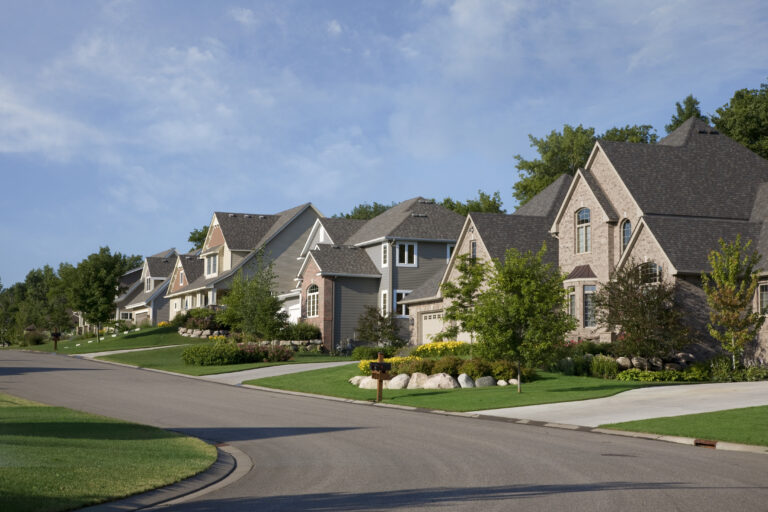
point(378, 328)
point(484, 203)
point(463, 295)
point(688, 109)
point(197, 237)
point(745, 119)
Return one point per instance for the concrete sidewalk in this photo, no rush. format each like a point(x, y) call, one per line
point(270, 371)
point(644, 403)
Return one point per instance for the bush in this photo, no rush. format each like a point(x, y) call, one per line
point(365, 365)
point(755, 373)
point(475, 368)
point(412, 366)
point(442, 348)
point(699, 372)
point(604, 367)
point(504, 370)
point(301, 331)
point(449, 365)
point(577, 365)
point(721, 370)
point(164, 324)
point(367, 352)
point(225, 352)
point(33, 338)
point(179, 320)
point(203, 319)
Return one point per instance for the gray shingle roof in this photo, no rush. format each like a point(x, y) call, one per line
point(694, 171)
point(605, 204)
point(193, 269)
point(160, 266)
point(499, 232)
point(144, 297)
point(547, 202)
point(283, 218)
point(427, 290)
point(343, 260)
point(340, 229)
point(244, 231)
point(416, 219)
point(687, 241)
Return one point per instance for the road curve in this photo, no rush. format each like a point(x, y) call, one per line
point(320, 455)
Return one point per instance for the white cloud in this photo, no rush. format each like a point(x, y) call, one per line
point(245, 17)
point(333, 28)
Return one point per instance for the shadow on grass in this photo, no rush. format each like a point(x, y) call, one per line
point(152, 332)
point(92, 430)
point(230, 434)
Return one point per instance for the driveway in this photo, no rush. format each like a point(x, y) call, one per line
point(644, 403)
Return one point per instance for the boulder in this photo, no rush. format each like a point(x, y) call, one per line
point(206, 333)
point(285, 343)
point(673, 366)
point(316, 342)
point(512, 382)
point(441, 381)
point(399, 381)
point(182, 330)
point(624, 363)
point(641, 363)
point(685, 358)
point(295, 343)
point(465, 381)
point(656, 363)
point(367, 383)
point(355, 381)
point(485, 382)
point(502, 383)
point(417, 381)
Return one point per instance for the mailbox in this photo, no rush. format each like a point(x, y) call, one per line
point(380, 367)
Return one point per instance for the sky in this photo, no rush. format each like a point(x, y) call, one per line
point(128, 123)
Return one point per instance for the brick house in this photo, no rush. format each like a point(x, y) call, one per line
point(350, 265)
point(232, 243)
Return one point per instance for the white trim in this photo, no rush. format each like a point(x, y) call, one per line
point(395, 311)
point(415, 254)
point(385, 256)
point(384, 306)
point(316, 302)
point(449, 250)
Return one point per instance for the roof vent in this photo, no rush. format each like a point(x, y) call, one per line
point(703, 131)
point(246, 216)
point(426, 201)
point(418, 215)
point(714, 132)
point(262, 216)
point(230, 215)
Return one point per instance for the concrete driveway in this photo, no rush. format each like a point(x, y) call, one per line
point(644, 403)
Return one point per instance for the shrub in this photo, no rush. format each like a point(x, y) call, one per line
point(604, 367)
point(442, 348)
point(301, 331)
point(475, 368)
point(365, 365)
point(699, 372)
point(33, 338)
point(412, 366)
point(367, 352)
point(164, 324)
point(504, 370)
point(219, 353)
point(203, 319)
point(754, 373)
point(276, 353)
point(449, 365)
point(576, 365)
point(180, 320)
point(722, 371)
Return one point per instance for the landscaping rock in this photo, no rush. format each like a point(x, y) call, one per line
point(441, 381)
point(316, 342)
point(399, 381)
point(206, 333)
point(367, 383)
point(641, 363)
point(182, 330)
point(685, 358)
point(465, 381)
point(624, 363)
point(656, 363)
point(512, 382)
point(417, 381)
point(485, 382)
point(355, 381)
point(673, 366)
point(285, 343)
point(502, 383)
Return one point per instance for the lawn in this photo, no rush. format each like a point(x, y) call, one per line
point(169, 359)
point(746, 426)
point(52, 458)
point(549, 388)
point(145, 338)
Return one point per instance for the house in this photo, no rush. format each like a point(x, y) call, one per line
point(349, 265)
point(487, 236)
point(232, 244)
point(664, 205)
point(145, 302)
point(130, 284)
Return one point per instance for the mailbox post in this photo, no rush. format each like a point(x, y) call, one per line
point(380, 372)
point(56, 336)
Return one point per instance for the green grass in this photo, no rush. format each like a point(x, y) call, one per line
point(52, 458)
point(169, 359)
point(551, 387)
point(145, 338)
point(746, 426)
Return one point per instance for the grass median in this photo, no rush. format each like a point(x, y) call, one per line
point(52, 458)
point(549, 388)
point(746, 426)
point(145, 338)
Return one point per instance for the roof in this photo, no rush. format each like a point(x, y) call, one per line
point(345, 260)
point(130, 277)
point(694, 171)
point(547, 202)
point(244, 231)
point(145, 297)
point(687, 241)
point(581, 272)
point(193, 268)
point(500, 232)
point(168, 253)
point(340, 229)
point(415, 219)
point(160, 266)
point(602, 199)
point(427, 290)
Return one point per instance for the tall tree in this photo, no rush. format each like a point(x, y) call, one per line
point(463, 295)
point(745, 119)
point(564, 152)
point(689, 108)
point(521, 317)
point(197, 237)
point(365, 211)
point(484, 203)
point(730, 289)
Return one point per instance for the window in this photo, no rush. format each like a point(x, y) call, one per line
point(384, 254)
point(401, 309)
point(406, 255)
point(186, 302)
point(763, 298)
point(589, 306)
point(626, 234)
point(583, 231)
point(148, 284)
point(473, 250)
point(126, 316)
point(572, 301)
point(212, 264)
point(650, 272)
point(313, 294)
point(176, 305)
point(449, 251)
point(181, 278)
point(384, 303)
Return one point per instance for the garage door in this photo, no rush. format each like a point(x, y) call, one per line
point(431, 324)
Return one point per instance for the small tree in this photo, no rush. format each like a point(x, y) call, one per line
point(373, 326)
point(521, 317)
point(641, 306)
point(730, 290)
point(251, 306)
point(463, 296)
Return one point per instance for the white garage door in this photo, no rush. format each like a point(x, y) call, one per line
point(431, 324)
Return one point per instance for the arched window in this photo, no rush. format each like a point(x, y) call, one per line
point(583, 231)
point(626, 234)
point(650, 272)
point(313, 293)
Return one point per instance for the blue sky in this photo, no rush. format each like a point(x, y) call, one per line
point(127, 123)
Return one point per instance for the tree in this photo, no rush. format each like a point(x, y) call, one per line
point(375, 327)
point(521, 317)
point(197, 237)
point(463, 295)
point(730, 289)
point(365, 211)
point(251, 306)
point(641, 307)
point(563, 153)
point(689, 108)
point(745, 119)
point(484, 203)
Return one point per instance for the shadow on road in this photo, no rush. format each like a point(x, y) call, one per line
point(253, 433)
point(22, 370)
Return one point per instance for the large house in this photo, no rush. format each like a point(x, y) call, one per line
point(233, 242)
point(144, 300)
point(349, 265)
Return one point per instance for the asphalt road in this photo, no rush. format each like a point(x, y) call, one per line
point(319, 455)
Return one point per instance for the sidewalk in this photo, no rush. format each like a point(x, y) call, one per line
point(270, 371)
point(644, 403)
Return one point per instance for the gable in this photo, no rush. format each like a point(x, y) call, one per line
point(582, 195)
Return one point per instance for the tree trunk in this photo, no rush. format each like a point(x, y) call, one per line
point(519, 378)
